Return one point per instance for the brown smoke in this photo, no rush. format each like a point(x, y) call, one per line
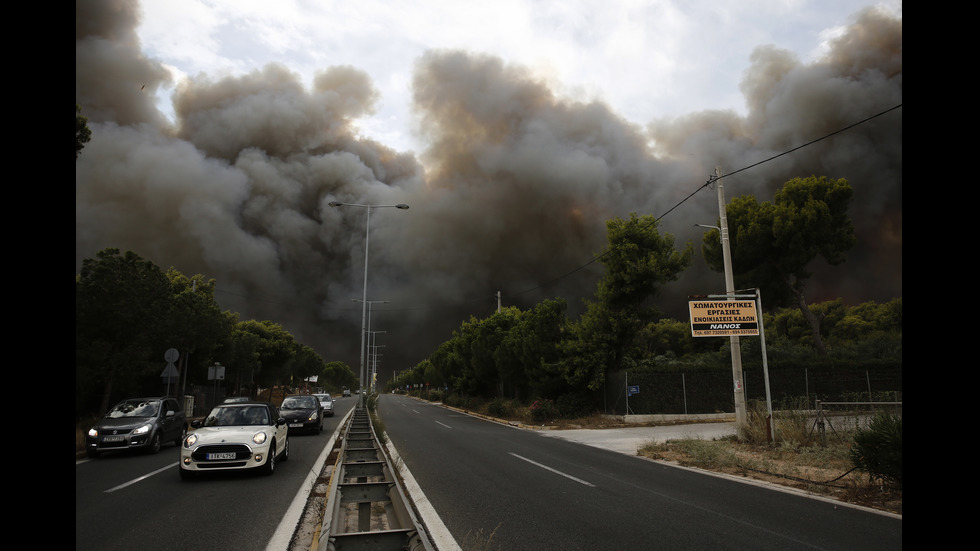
point(516, 189)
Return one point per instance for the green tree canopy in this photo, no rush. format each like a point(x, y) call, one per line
point(639, 261)
point(773, 244)
point(122, 303)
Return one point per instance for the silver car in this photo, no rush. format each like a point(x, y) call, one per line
point(236, 437)
point(327, 402)
point(138, 424)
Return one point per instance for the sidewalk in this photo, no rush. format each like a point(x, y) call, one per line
point(629, 439)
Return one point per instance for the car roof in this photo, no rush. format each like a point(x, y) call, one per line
point(243, 404)
point(144, 399)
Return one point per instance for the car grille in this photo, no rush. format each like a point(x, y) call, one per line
point(241, 451)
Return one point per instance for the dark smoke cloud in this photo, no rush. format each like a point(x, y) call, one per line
point(516, 187)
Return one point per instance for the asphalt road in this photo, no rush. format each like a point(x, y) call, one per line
point(127, 501)
point(496, 487)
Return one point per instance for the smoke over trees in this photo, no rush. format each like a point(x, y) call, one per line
point(512, 193)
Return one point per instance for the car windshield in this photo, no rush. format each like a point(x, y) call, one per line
point(324, 397)
point(135, 408)
point(232, 416)
point(299, 402)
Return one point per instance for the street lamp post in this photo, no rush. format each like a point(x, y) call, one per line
point(373, 356)
point(364, 302)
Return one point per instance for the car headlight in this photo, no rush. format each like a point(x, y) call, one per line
point(259, 438)
point(142, 430)
point(313, 416)
point(93, 433)
point(190, 440)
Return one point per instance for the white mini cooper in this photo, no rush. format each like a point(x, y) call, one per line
point(235, 436)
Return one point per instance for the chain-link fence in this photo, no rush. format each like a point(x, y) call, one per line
point(838, 419)
point(712, 390)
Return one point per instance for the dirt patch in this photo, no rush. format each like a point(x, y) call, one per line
point(835, 480)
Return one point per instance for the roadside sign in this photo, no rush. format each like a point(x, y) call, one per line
point(723, 318)
point(216, 372)
point(633, 390)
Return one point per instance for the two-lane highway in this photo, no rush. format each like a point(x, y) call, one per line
point(500, 487)
point(127, 501)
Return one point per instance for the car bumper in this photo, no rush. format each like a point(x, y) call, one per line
point(117, 442)
point(223, 457)
point(302, 425)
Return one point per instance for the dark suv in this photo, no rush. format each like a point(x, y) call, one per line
point(138, 423)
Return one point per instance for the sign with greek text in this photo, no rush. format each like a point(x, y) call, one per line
point(723, 318)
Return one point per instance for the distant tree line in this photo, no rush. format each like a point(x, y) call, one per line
point(540, 353)
point(129, 312)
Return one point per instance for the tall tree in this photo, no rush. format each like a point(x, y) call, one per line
point(197, 325)
point(639, 261)
point(122, 303)
point(774, 243)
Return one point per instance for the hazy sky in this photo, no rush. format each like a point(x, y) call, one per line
point(646, 59)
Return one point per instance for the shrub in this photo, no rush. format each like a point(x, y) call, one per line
point(878, 449)
point(498, 407)
point(543, 410)
point(573, 406)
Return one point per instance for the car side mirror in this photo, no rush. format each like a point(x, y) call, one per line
point(280, 421)
point(196, 423)
point(170, 413)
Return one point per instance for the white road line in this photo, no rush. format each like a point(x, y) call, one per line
point(144, 477)
point(547, 468)
point(445, 425)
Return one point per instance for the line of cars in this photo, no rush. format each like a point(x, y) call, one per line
point(238, 434)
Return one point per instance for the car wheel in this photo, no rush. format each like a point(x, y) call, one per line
point(185, 474)
point(155, 444)
point(270, 462)
point(285, 451)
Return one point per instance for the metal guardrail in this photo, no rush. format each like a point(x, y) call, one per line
point(366, 508)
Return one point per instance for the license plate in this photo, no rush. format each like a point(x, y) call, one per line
point(296, 425)
point(115, 438)
point(220, 456)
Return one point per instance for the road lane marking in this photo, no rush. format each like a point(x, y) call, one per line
point(547, 468)
point(445, 425)
point(144, 477)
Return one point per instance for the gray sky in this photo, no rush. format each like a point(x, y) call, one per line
point(646, 59)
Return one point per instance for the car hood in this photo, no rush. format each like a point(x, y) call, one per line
point(232, 434)
point(123, 424)
point(293, 414)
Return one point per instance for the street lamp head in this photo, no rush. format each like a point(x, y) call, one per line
point(335, 203)
point(402, 206)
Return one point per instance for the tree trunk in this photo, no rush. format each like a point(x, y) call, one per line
point(814, 321)
point(108, 392)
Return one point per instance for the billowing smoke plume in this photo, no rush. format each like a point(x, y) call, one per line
point(516, 187)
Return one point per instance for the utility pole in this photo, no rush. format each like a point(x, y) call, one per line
point(498, 302)
point(737, 380)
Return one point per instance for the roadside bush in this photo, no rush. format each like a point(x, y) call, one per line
point(573, 406)
point(543, 410)
point(877, 450)
point(498, 407)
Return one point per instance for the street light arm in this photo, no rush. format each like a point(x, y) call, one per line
point(401, 206)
